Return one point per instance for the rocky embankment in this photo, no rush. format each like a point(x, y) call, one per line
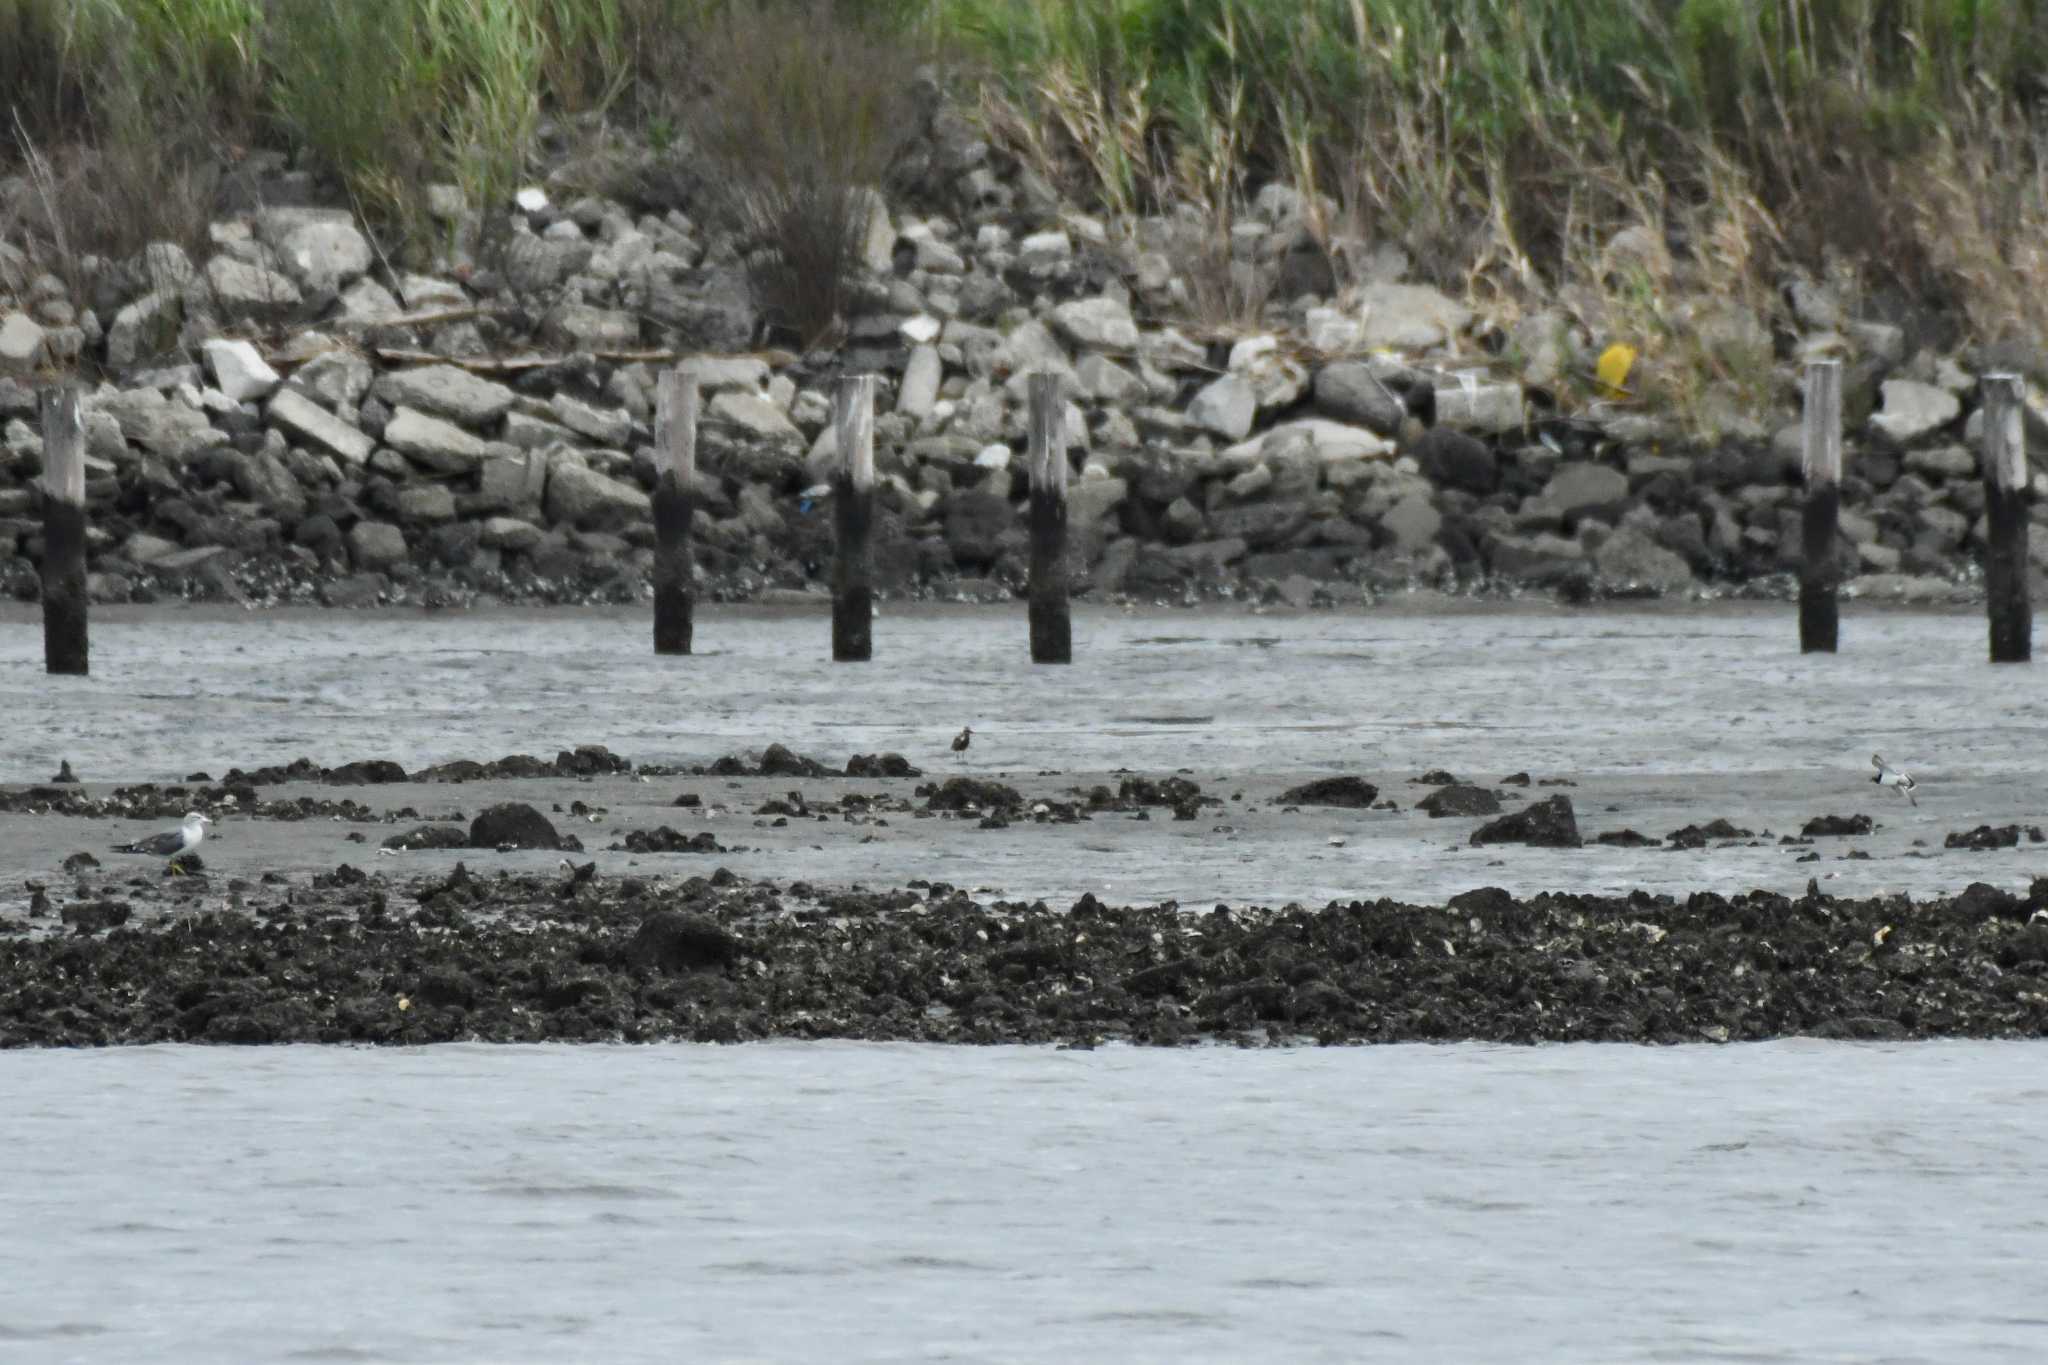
point(291, 417)
point(361, 958)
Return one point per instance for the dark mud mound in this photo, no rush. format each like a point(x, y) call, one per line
point(666, 840)
point(1459, 799)
point(881, 765)
point(1987, 837)
point(428, 836)
point(777, 760)
point(1550, 823)
point(1699, 836)
point(513, 824)
point(1824, 825)
point(1348, 792)
point(971, 794)
point(359, 958)
point(1627, 838)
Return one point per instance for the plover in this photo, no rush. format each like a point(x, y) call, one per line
point(1902, 783)
point(961, 741)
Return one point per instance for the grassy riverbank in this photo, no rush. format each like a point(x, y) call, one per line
point(1888, 146)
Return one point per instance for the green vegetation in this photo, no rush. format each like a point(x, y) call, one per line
point(1504, 142)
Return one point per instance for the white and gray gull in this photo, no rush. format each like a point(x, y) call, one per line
point(1902, 783)
point(172, 842)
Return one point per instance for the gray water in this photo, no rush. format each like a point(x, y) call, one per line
point(1793, 1201)
point(1714, 690)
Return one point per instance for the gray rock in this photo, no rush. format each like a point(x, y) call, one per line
point(606, 426)
point(21, 344)
point(321, 248)
point(145, 550)
point(581, 327)
point(977, 524)
point(510, 533)
point(755, 416)
point(506, 482)
point(535, 265)
point(376, 545)
point(1581, 486)
point(1348, 391)
point(145, 328)
point(1097, 376)
point(919, 391)
point(1943, 462)
point(1225, 407)
point(160, 425)
point(582, 497)
point(241, 291)
point(238, 370)
point(716, 372)
point(715, 315)
point(1098, 324)
point(1912, 410)
point(1091, 500)
point(297, 415)
point(338, 380)
point(365, 303)
point(1535, 559)
point(433, 443)
point(1408, 317)
point(262, 478)
point(1411, 525)
point(1630, 558)
point(1030, 347)
point(1452, 459)
point(1483, 407)
point(446, 391)
point(426, 503)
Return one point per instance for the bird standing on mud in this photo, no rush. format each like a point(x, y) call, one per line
point(961, 741)
point(174, 843)
point(1902, 783)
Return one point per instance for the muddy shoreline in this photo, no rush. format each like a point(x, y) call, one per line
point(353, 957)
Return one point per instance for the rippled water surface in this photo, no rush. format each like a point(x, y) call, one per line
point(1667, 691)
point(1789, 1202)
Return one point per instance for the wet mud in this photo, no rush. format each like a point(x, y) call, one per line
point(355, 957)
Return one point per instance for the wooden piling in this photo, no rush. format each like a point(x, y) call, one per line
point(853, 496)
point(675, 487)
point(1052, 625)
point(64, 635)
point(1820, 572)
point(2005, 522)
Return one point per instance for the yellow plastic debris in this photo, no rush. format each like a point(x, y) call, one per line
point(1613, 370)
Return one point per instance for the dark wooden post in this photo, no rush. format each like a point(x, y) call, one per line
point(675, 487)
point(1052, 625)
point(1820, 571)
point(2005, 522)
point(853, 497)
point(64, 643)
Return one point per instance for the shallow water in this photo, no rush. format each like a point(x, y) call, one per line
point(1794, 1201)
point(1714, 690)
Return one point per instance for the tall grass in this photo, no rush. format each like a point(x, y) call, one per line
point(1503, 141)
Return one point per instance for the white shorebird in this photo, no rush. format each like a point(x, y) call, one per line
point(1902, 783)
point(172, 843)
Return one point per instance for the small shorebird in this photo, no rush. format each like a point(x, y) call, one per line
point(961, 741)
point(1902, 783)
point(172, 843)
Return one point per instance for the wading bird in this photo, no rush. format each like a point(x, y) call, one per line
point(1902, 783)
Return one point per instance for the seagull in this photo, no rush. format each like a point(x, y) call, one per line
point(1902, 783)
point(962, 740)
point(172, 843)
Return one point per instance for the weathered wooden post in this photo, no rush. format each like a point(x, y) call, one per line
point(1820, 572)
point(64, 643)
point(1052, 625)
point(2005, 522)
point(675, 488)
point(853, 495)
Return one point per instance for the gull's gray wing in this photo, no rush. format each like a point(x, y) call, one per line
point(158, 845)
